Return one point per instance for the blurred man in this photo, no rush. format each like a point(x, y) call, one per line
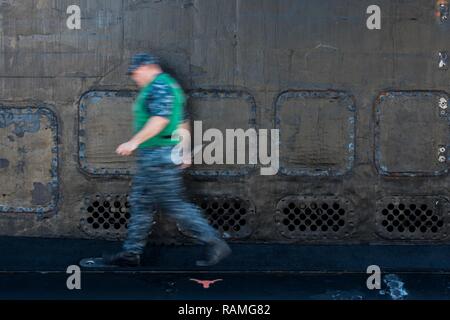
point(158, 111)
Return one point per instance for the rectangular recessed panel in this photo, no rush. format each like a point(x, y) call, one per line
point(410, 132)
point(316, 132)
point(105, 121)
point(222, 110)
point(408, 218)
point(28, 159)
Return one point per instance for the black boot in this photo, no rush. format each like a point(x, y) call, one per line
point(123, 259)
point(217, 251)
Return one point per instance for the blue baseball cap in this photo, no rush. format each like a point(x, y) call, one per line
point(141, 59)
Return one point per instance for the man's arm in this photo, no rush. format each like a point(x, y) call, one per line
point(160, 106)
point(186, 125)
point(153, 126)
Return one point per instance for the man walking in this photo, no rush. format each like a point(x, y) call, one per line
point(158, 112)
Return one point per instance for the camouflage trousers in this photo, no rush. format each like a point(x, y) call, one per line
point(158, 184)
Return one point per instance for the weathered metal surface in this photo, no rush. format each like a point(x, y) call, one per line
point(36, 42)
point(237, 58)
point(29, 160)
point(104, 122)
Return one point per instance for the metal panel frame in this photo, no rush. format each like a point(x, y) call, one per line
point(351, 130)
point(377, 150)
point(83, 162)
point(42, 110)
point(226, 94)
point(126, 172)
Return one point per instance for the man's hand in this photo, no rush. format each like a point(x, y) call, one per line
point(127, 148)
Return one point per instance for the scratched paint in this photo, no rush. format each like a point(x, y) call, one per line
point(25, 126)
point(395, 287)
point(23, 123)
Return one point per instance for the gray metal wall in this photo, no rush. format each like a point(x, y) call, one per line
point(358, 111)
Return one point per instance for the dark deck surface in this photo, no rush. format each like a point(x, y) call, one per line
point(35, 268)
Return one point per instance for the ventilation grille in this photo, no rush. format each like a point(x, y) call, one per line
point(231, 216)
point(412, 218)
point(314, 217)
point(106, 215)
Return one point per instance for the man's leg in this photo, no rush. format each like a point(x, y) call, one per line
point(174, 203)
point(142, 208)
point(190, 217)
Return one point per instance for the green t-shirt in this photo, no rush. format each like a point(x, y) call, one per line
point(162, 97)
